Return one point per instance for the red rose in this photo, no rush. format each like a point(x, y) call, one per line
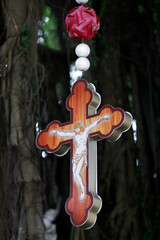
point(82, 23)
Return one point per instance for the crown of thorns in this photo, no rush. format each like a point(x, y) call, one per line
point(79, 125)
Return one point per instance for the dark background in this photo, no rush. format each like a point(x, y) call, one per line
point(34, 84)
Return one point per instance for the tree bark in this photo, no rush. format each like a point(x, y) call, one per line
point(21, 55)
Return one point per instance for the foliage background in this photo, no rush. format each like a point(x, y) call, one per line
point(35, 58)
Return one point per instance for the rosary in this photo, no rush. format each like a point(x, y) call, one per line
point(86, 126)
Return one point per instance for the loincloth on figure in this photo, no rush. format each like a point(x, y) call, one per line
point(77, 157)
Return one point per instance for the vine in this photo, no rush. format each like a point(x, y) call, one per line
point(25, 35)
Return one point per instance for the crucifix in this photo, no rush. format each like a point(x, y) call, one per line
point(80, 135)
point(87, 125)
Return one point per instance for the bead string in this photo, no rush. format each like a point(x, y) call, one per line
point(82, 23)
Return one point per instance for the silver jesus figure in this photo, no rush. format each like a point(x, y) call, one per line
point(79, 134)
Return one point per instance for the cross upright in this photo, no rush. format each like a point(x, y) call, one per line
point(81, 134)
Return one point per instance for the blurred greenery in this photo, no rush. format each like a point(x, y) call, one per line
point(47, 34)
point(141, 9)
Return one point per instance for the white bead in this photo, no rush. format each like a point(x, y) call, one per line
point(81, 1)
point(82, 50)
point(82, 64)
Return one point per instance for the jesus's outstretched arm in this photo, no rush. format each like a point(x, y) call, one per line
point(63, 134)
point(95, 123)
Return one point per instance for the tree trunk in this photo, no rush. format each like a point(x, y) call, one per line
point(26, 220)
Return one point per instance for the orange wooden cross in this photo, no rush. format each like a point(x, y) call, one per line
point(81, 134)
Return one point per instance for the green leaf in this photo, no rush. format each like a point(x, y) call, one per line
point(141, 9)
point(28, 33)
point(157, 214)
point(26, 44)
point(95, 82)
point(25, 49)
point(23, 29)
point(24, 39)
point(155, 16)
point(142, 204)
point(155, 31)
